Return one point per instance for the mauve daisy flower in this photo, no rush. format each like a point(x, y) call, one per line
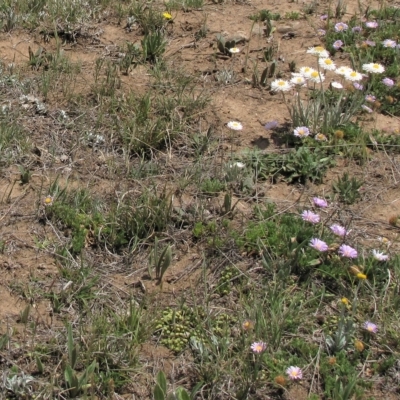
point(374, 68)
point(379, 256)
point(258, 347)
point(318, 51)
point(234, 125)
point(370, 327)
point(279, 85)
point(341, 27)
point(271, 125)
point(327, 63)
point(323, 17)
point(371, 24)
point(337, 45)
point(367, 109)
point(353, 76)
point(320, 202)
point(358, 86)
point(338, 230)
point(309, 216)
point(294, 373)
point(388, 82)
point(356, 29)
point(368, 43)
point(301, 131)
point(370, 98)
point(319, 245)
point(389, 43)
point(321, 32)
point(385, 241)
point(347, 251)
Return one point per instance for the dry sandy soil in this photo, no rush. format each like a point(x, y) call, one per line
point(26, 257)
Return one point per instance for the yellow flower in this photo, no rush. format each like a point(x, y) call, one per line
point(355, 270)
point(280, 380)
point(167, 15)
point(339, 134)
point(345, 301)
point(359, 345)
point(332, 360)
point(393, 220)
point(360, 275)
point(247, 325)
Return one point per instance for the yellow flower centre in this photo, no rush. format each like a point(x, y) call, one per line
point(328, 61)
point(281, 83)
point(375, 66)
point(353, 73)
point(319, 49)
point(48, 200)
point(314, 74)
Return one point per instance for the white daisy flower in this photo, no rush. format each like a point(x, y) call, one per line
point(234, 50)
point(374, 68)
point(234, 125)
point(353, 76)
point(320, 137)
point(327, 63)
point(306, 71)
point(316, 77)
point(279, 85)
point(318, 51)
point(336, 85)
point(298, 80)
point(343, 70)
point(238, 164)
point(379, 255)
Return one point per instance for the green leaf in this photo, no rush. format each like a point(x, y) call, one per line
point(182, 394)
point(39, 365)
point(264, 75)
point(25, 314)
point(195, 390)
point(72, 380)
point(87, 374)
point(72, 353)
point(162, 382)
point(158, 393)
